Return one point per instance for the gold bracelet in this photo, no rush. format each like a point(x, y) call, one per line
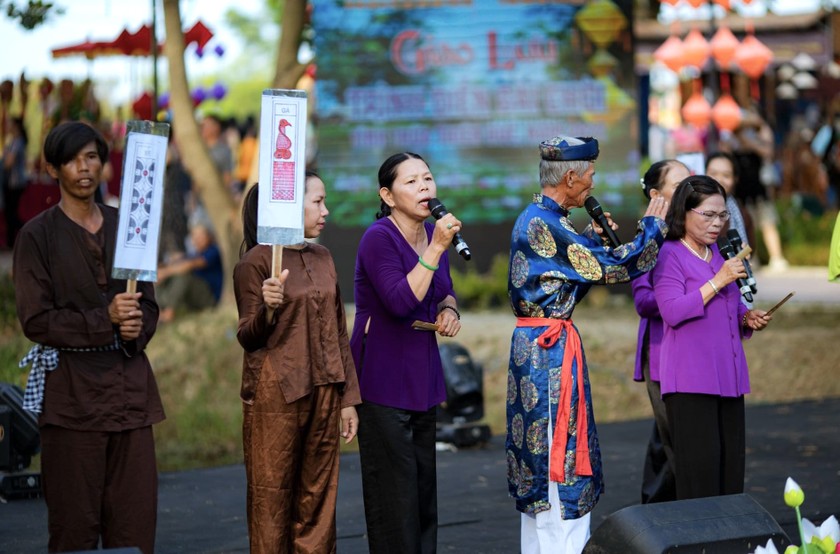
point(714, 288)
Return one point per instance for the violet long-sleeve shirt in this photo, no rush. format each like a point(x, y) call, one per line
point(650, 324)
point(701, 348)
point(397, 366)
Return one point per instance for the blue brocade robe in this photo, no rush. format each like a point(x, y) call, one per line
point(552, 267)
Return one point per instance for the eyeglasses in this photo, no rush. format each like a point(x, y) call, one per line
point(710, 216)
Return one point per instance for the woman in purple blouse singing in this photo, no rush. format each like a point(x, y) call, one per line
point(402, 276)
point(703, 370)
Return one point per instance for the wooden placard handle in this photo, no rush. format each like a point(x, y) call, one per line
point(276, 259)
point(131, 286)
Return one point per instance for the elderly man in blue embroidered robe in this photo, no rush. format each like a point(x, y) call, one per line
point(554, 462)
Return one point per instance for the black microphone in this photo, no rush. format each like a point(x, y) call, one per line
point(438, 211)
point(738, 245)
point(593, 208)
point(728, 252)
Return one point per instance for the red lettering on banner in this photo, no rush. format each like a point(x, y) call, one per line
point(506, 56)
point(413, 54)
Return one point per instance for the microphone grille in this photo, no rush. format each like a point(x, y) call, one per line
point(436, 207)
point(592, 206)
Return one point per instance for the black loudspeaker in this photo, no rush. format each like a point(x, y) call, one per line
point(716, 525)
point(123, 550)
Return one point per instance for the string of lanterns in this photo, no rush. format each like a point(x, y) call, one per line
point(750, 56)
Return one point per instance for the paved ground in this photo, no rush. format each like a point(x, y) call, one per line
point(204, 510)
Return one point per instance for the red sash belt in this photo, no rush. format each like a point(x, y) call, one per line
point(573, 353)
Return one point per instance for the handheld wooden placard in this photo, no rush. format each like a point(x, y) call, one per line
point(141, 203)
point(282, 162)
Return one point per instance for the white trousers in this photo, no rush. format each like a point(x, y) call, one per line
point(546, 532)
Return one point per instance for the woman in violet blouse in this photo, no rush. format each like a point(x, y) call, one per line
point(703, 370)
point(660, 181)
point(402, 275)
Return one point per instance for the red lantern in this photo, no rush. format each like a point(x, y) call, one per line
point(724, 45)
point(697, 111)
point(753, 57)
point(726, 113)
point(671, 54)
point(695, 49)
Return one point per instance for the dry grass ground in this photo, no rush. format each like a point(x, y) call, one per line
point(795, 358)
point(197, 361)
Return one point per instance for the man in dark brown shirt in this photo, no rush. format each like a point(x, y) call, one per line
point(100, 401)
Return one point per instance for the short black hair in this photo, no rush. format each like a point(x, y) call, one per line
point(387, 174)
point(655, 175)
point(67, 139)
point(690, 193)
point(726, 156)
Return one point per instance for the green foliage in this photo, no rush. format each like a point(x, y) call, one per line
point(483, 291)
point(34, 13)
point(806, 238)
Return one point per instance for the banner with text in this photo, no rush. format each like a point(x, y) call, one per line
point(473, 86)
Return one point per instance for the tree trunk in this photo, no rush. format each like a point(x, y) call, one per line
point(206, 179)
point(288, 70)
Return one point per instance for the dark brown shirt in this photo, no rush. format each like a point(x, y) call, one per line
point(306, 342)
point(63, 288)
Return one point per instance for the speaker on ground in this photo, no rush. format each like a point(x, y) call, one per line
point(716, 525)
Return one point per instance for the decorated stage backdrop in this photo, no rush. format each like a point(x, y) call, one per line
point(473, 86)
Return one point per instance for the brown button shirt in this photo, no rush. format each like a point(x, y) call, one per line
point(306, 343)
point(63, 288)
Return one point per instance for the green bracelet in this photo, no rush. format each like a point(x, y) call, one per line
point(427, 266)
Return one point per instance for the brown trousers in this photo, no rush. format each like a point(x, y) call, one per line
point(99, 484)
point(291, 463)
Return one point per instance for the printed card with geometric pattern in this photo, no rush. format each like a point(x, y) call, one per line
point(141, 201)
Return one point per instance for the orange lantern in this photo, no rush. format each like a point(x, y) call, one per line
point(671, 54)
point(753, 57)
point(726, 113)
point(724, 4)
point(671, 2)
point(695, 49)
point(724, 45)
point(696, 3)
point(697, 111)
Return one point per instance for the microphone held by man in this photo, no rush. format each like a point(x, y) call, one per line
point(438, 211)
point(593, 208)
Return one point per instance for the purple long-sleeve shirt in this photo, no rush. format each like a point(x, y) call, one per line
point(650, 324)
point(701, 348)
point(397, 366)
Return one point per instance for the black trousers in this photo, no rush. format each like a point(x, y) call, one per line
point(709, 444)
point(399, 479)
point(658, 482)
